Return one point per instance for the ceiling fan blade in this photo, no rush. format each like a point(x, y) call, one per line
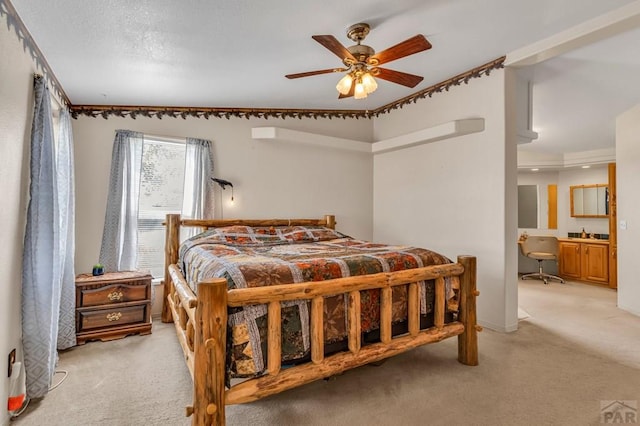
point(331, 43)
point(310, 73)
point(351, 91)
point(409, 80)
point(415, 44)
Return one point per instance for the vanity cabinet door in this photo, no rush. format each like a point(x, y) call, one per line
point(595, 265)
point(570, 259)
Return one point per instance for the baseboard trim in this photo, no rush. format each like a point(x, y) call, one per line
point(500, 328)
point(627, 309)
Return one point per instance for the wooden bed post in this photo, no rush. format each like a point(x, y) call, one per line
point(171, 247)
point(209, 353)
point(468, 340)
point(331, 221)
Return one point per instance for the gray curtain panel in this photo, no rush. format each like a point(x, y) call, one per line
point(120, 235)
point(43, 261)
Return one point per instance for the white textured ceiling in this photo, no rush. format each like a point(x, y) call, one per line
point(235, 53)
point(577, 96)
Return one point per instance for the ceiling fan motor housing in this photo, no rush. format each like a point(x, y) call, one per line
point(361, 52)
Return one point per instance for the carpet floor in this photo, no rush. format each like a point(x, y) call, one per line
point(573, 351)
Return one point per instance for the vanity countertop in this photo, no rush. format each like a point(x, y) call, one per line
point(585, 240)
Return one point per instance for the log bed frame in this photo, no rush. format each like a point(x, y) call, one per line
point(201, 322)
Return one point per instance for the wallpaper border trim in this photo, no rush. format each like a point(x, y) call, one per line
point(160, 112)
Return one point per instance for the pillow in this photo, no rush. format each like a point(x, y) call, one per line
point(309, 233)
point(260, 235)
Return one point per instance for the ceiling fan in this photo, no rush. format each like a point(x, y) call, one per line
point(362, 62)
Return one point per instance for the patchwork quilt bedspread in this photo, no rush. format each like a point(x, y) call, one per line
point(265, 256)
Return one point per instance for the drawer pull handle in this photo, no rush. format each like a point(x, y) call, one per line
point(115, 295)
point(114, 316)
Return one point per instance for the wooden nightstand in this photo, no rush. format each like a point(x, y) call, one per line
point(113, 305)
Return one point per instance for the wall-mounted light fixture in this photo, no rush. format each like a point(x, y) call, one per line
point(223, 184)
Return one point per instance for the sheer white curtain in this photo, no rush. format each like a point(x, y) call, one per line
point(119, 250)
point(67, 205)
point(198, 186)
point(47, 264)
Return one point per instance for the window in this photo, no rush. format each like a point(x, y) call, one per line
point(161, 193)
point(148, 177)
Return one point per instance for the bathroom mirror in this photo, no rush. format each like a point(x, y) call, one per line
point(589, 200)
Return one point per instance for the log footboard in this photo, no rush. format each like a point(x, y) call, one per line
point(201, 325)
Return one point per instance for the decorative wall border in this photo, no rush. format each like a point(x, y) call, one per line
point(476, 72)
point(24, 36)
point(169, 111)
point(160, 112)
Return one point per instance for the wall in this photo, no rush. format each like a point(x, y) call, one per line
point(456, 196)
point(628, 182)
point(16, 93)
point(271, 178)
point(565, 178)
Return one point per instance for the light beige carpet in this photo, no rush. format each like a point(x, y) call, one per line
point(574, 350)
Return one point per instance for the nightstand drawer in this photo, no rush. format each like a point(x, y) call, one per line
point(116, 293)
point(114, 317)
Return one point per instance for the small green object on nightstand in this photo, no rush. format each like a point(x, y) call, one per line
point(98, 269)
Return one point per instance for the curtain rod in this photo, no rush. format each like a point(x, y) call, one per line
point(56, 103)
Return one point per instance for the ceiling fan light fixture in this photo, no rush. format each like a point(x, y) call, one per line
point(359, 91)
point(369, 83)
point(344, 85)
